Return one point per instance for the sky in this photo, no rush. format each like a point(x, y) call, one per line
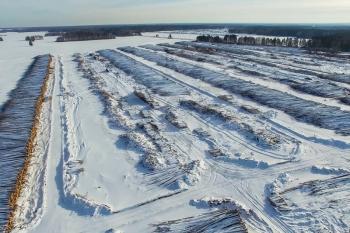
point(22, 13)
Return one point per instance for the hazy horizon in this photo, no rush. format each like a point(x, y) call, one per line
point(30, 13)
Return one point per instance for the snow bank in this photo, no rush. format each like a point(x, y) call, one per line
point(221, 203)
point(329, 170)
point(71, 166)
point(173, 117)
point(278, 184)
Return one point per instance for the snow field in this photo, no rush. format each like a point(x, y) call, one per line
point(172, 138)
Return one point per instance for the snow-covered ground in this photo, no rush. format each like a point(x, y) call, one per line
point(175, 138)
point(16, 54)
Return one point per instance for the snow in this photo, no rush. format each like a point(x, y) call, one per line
point(16, 54)
point(140, 140)
point(329, 170)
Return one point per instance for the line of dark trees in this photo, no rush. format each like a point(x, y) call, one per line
point(299, 31)
point(95, 35)
point(249, 40)
point(332, 43)
point(339, 42)
point(84, 35)
point(54, 34)
point(329, 38)
point(34, 38)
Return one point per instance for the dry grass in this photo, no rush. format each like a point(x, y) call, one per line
point(29, 152)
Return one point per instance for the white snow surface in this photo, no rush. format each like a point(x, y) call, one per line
point(110, 159)
point(16, 54)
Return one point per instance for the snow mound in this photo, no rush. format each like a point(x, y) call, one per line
point(147, 97)
point(221, 203)
point(329, 170)
point(279, 183)
point(153, 161)
point(173, 117)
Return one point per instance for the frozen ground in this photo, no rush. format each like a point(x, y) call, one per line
point(16, 55)
point(185, 138)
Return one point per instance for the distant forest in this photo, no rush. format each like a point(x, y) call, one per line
point(324, 37)
point(327, 43)
point(99, 34)
point(336, 42)
point(84, 35)
point(260, 40)
point(331, 38)
point(299, 31)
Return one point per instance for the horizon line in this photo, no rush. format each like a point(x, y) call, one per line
point(187, 23)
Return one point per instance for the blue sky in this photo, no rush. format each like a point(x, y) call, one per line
point(81, 12)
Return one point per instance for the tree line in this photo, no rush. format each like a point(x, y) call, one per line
point(54, 34)
point(94, 35)
point(299, 31)
point(250, 40)
point(34, 38)
point(85, 35)
point(339, 42)
point(332, 43)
